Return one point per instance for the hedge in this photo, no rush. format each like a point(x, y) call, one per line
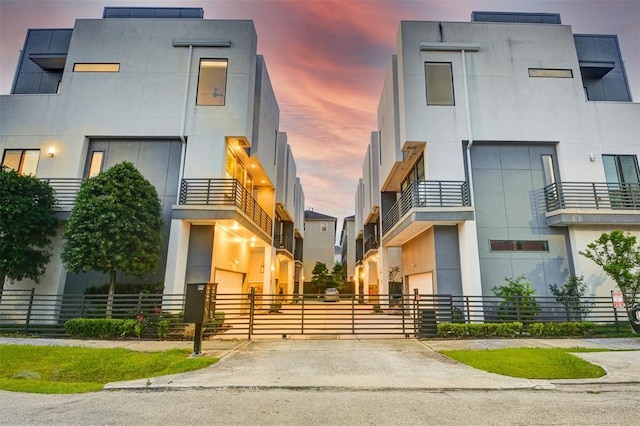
point(101, 328)
point(512, 329)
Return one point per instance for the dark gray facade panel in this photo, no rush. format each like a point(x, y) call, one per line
point(510, 205)
point(153, 12)
point(200, 254)
point(606, 84)
point(516, 17)
point(447, 248)
point(30, 77)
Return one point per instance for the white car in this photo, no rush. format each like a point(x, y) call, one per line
point(331, 295)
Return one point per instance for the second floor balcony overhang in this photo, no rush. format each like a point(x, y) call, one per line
point(592, 203)
point(222, 199)
point(424, 204)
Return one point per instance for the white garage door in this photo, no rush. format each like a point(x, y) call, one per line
point(228, 282)
point(423, 282)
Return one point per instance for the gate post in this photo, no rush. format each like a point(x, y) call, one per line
point(28, 319)
point(353, 314)
point(416, 311)
point(252, 298)
point(302, 314)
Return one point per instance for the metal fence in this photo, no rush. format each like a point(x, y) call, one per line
point(256, 314)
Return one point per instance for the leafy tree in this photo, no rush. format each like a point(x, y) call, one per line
point(619, 257)
point(518, 300)
point(321, 277)
point(115, 225)
point(339, 274)
point(572, 294)
point(26, 225)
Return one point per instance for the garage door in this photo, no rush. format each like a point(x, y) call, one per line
point(228, 282)
point(423, 282)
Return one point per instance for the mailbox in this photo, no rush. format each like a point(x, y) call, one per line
point(199, 304)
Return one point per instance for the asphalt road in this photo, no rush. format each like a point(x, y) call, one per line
point(572, 405)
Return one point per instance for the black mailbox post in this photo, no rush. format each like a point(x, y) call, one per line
point(198, 309)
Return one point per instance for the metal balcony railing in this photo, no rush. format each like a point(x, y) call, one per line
point(282, 241)
point(224, 192)
point(592, 195)
point(427, 194)
point(66, 191)
point(371, 243)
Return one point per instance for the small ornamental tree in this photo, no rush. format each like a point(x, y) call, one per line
point(26, 225)
point(321, 277)
point(339, 275)
point(518, 300)
point(115, 225)
point(619, 257)
point(572, 295)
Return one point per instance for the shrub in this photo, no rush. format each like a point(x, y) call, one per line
point(163, 329)
point(572, 294)
point(518, 301)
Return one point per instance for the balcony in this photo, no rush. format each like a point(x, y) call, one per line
point(371, 243)
point(224, 192)
point(592, 203)
point(283, 242)
point(428, 202)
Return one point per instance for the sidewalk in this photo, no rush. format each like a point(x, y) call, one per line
point(361, 364)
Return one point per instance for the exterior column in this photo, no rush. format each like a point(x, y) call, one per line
point(470, 264)
point(177, 253)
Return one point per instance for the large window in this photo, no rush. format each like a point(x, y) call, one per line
point(236, 170)
point(439, 83)
point(23, 161)
point(212, 82)
point(416, 173)
point(621, 168)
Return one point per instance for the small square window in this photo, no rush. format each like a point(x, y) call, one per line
point(212, 82)
point(439, 79)
point(323, 226)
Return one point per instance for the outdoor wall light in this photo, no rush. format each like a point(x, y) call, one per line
point(592, 157)
point(262, 268)
point(51, 152)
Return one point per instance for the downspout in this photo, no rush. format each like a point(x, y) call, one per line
point(183, 122)
point(469, 134)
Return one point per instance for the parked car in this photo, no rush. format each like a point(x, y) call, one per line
point(331, 295)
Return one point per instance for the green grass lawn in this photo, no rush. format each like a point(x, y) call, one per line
point(65, 369)
point(530, 363)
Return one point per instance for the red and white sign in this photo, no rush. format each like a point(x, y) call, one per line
point(618, 301)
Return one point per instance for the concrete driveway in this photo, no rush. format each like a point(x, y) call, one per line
point(362, 364)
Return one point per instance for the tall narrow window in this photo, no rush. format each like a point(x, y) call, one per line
point(95, 166)
point(212, 82)
point(23, 161)
point(551, 192)
point(323, 226)
point(439, 79)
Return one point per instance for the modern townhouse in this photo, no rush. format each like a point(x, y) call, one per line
point(319, 243)
point(506, 145)
point(189, 102)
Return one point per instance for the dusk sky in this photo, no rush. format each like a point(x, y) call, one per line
point(327, 61)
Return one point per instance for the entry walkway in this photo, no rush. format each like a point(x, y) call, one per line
point(361, 364)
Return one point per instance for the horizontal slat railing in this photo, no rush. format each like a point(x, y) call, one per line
point(592, 195)
point(427, 194)
point(224, 192)
point(66, 191)
point(245, 315)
